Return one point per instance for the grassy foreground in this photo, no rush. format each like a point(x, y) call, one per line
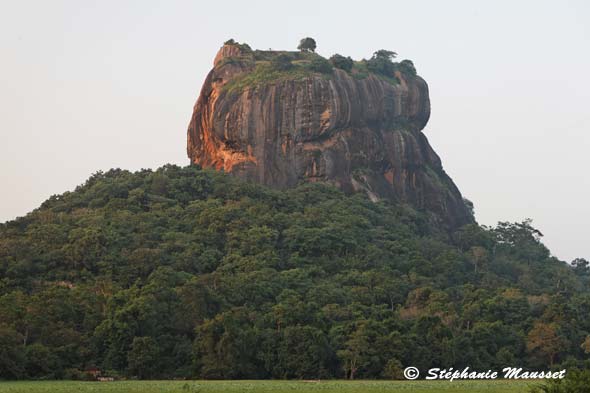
point(267, 386)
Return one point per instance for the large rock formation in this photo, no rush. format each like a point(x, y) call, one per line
point(358, 132)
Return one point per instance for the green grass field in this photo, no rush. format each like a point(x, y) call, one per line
point(267, 386)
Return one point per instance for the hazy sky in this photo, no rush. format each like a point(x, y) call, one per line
point(91, 85)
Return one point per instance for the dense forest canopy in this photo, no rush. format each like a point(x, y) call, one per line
point(181, 272)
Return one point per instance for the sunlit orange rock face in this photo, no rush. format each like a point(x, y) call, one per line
point(360, 134)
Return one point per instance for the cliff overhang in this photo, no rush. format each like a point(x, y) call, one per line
point(356, 129)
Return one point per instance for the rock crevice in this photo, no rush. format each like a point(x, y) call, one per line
point(360, 134)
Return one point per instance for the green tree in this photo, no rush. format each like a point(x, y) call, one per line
point(307, 44)
point(393, 370)
point(521, 239)
point(478, 256)
point(357, 350)
point(142, 359)
point(581, 266)
point(41, 361)
point(223, 347)
point(575, 381)
point(11, 355)
point(382, 62)
point(341, 62)
point(302, 352)
point(384, 54)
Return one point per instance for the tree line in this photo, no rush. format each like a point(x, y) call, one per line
point(189, 273)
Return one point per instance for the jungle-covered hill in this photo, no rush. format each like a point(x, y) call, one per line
point(182, 272)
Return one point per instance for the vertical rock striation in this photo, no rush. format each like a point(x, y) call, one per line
point(360, 134)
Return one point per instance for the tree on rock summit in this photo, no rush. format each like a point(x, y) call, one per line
point(307, 44)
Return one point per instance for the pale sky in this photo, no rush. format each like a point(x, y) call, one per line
point(91, 85)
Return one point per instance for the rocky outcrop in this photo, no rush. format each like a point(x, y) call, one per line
point(358, 133)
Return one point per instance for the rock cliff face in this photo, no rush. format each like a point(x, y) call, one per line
point(358, 133)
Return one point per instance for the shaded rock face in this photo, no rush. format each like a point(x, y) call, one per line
point(358, 134)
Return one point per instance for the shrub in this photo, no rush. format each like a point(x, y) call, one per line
point(75, 374)
point(575, 381)
point(244, 47)
point(319, 64)
point(380, 66)
point(281, 62)
point(407, 67)
point(344, 63)
point(393, 370)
